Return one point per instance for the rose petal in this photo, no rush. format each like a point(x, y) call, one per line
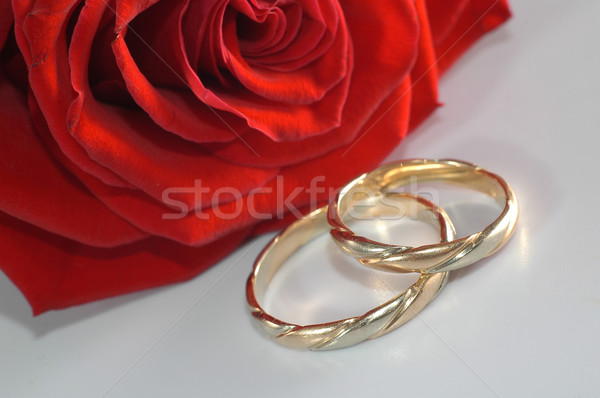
point(443, 15)
point(6, 20)
point(40, 30)
point(35, 189)
point(474, 19)
point(175, 110)
point(54, 272)
point(154, 161)
point(424, 74)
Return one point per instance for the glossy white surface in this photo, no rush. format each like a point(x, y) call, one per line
point(526, 322)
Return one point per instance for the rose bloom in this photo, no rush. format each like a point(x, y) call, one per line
point(139, 140)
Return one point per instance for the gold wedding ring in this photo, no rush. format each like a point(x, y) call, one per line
point(350, 331)
point(441, 257)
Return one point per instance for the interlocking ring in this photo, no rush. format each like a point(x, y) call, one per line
point(441, 257)
point(350, 331)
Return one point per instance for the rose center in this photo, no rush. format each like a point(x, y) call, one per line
point(268, 30)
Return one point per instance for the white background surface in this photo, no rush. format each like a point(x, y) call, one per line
point(526, 322)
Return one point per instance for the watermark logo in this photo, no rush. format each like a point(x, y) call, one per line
point(276, 202)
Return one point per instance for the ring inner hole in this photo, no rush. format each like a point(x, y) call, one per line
point(319, 284)
point(469, 209)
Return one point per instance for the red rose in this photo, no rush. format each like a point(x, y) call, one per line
point(141, 141)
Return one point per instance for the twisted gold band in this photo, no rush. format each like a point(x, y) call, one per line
point(345, 332)
point(442, 257)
